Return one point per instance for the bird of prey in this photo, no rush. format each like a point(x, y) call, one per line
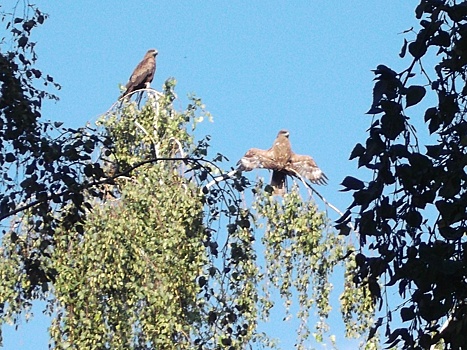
point(283, 162)
point(143, 74)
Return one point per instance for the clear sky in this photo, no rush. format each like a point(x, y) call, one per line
point(259, 66)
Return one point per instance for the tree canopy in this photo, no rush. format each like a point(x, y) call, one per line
point(113, 227)
point(411, 216)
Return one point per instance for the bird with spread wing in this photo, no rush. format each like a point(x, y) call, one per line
point(283, 162)
point(143, 74)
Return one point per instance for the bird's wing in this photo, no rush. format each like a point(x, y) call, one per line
point(306, 167)
point(256, 158)
point(144, 72)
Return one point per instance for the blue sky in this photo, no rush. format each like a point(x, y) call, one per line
point(258, 66)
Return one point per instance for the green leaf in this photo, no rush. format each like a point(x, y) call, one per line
point(418, 48)
point(442, 39)
point(23, 41)
point(374, 329)
point(403, 49)
point(357, 151)
point(351, 183)
point(414, 95)
point(392, 125)
point(10, 157)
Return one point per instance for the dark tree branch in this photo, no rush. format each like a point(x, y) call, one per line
point(106, 180)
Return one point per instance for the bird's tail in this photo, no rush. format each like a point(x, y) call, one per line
point(279, 182)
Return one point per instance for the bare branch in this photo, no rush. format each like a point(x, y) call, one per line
point(220, 178)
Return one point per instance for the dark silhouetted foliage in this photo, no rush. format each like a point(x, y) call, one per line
point(411, 217)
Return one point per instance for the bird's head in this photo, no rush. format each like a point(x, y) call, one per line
point(154, 52)
point(284, 133)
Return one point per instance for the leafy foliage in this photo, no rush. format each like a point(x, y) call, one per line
point(301, 254)
point(160, 272)
point(139, 260)
point(411, 215)
point(151, 265)
point(110, 226)
point(44, 168)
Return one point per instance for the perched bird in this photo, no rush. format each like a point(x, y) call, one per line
point(282, 161)
point(143, 74)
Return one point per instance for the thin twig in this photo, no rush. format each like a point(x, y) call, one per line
point(120, 99)
point(157, 93)
point(322, 198)
point(317, 193)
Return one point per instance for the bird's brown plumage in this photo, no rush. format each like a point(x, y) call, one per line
point(143, 74)
point(282, 161)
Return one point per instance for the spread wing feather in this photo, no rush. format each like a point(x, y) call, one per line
point(143, 73)
point(256, 158)
point(282, 161)
point(307, 168)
